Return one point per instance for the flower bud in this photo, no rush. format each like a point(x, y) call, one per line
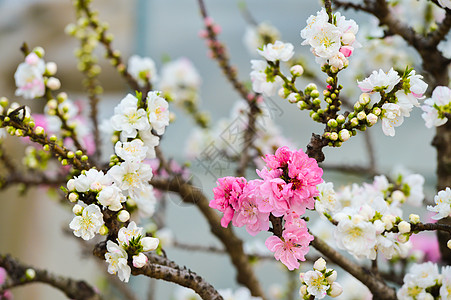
point(335, 290)
point(39, 51)
point(73, 197)
point(449, 244)
point(301, 277)
point(388, 221)
point(361, 115)
point(103, 230)
point(51, 68)
point(344, 135)
point(39, 130)
point(404, 227)
point(314, 94)
point(30, 274)
point(77, 209)
point(371, 119)
point(303, 291)
point(71, 185)
point(123, 216)
point(139, 260)
point(398, 196)
point(348, 38)
point(297, 70)
point(377, 111)
point(334, 136)
point(332, 277)
point(53, 83)
point(293, 98)
point(149, 243)
point(414, 218)
point(354, 122)
point(332, 123)
point(320, 264)
point(341, 119)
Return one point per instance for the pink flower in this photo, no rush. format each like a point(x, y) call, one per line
point(290, 183)
point(2, 275)
point(346, 50)
point(428, 244)
point(292, 247)
point(226, 196)
point(248, 213)
point(279, 160)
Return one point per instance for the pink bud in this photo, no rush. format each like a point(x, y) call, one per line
point(346, 50)
point(203, 33)
point(32, 58)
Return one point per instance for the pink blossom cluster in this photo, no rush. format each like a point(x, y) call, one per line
point(286, 189)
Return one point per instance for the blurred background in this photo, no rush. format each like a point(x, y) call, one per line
point(31, 226)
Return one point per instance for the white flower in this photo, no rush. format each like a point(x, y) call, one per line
point(182, 293)
point(142, 69)
point(126, 234)
point(150, 141)
point(423, 275)
point(166, 236)
point(379, 81)
point(146, 201)
point(443, 204)
point(158, 111)
point(133, 151)
point(320, 264)
point(391, 118)
point(180, 79)
point(314, 22)
point(139, 260)
point(441, 96)
point(277, 51)
point(445, 289)
point(131, 176)
point(415, 183)
point(257, 36)
point(111, 197)
point(260, 83)
point(117, 259)
point(28, 77)
point(92, 179)
point(326, 201)
point(445, 3)
point(128, 118)
point(316, 285)
point(356, 237)
point(89, 223)
point(325, 41)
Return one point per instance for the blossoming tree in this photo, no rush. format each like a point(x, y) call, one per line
point(364, 229)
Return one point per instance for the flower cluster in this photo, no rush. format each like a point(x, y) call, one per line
point(286, 188)
point(423, 281)
point(442, 204)
point(436, 107)
point(319, 282)
point(263, 79)
point(142, 69)
point(331, 43)
point(132, 242)
point(366, 215)
point(34, 75)
point(398, 102)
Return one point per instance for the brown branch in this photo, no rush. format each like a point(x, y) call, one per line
point(429, 227)
point(73, 289)
point(377, 287)
point(442, 30)
point(220, 55)
point(351, 169)
point(232, 244)
point(19, 178)
point(159, 267)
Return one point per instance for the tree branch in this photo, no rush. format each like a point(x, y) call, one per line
point(73, 289)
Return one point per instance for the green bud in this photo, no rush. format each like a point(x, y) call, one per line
point(78, 153)
point(330, 80)
point(316, 101)
point(354, 122)
point(333, 96)
point(315, 117)
point(84, 158)
point(30, 274)
point(332, 123)
point(334, 136)
point(46, 147)
point(341, 119)
point(314, 94)
point(70, 154)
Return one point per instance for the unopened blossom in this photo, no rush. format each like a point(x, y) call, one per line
point(133, 151)
point(139, 260)
point(442, 204)
point(111, 197)
point(142, 69)
point(117, 257)
point(277, 51)
point(380, 81)
point(260, 81)
point(128, 119)
point(29, 77)
point(441, 97)
point(89, 223)
point(391, 118)
point(158, 111)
